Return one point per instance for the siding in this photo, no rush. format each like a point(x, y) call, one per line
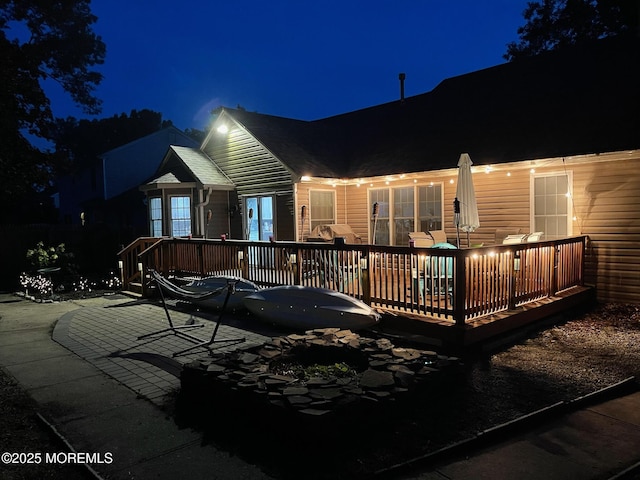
point(247, 163)
point(606, 204)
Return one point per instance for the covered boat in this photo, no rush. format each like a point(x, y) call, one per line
point(305, 308)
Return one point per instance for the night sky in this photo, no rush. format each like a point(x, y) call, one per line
point(298, 59)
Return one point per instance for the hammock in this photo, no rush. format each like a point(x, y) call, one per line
point(181, 293)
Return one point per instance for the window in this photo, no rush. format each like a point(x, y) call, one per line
point(155, 216)
point(321, 208)
point(180, 216)
point(380, 223)
point(414, 209)
point(403, 216)
point(551, 205)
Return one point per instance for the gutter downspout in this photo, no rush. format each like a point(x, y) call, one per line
point(200, 208)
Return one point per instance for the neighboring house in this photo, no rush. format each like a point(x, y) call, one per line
point(107, 190)
point(555, 141)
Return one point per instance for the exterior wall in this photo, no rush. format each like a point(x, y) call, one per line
point(220, 222)
point(605, 204)
point(285, 221)
point(250, 166)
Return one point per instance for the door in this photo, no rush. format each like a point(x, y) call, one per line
point(259, 218)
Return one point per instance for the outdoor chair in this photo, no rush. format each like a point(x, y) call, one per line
point(534, 237)
point(334, 274)
point(421, 239)
point(435, 275)
point(511, 239)
point(439, 236)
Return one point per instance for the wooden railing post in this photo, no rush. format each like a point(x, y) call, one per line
point(364, 272)
point(460, 289)
point(513, 277)
point(553, 284)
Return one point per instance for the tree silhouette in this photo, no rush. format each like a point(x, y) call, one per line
point(553, 24)
point(40, 40)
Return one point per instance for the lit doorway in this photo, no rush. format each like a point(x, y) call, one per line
point(259, 218)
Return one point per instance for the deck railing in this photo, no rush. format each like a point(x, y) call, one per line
point(457, 285)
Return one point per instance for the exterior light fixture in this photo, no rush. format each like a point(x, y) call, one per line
point(305, 178)
point(223, 129)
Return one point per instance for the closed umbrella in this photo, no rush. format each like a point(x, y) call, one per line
point(466, 207)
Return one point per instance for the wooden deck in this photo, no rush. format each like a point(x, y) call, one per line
point(461, 297)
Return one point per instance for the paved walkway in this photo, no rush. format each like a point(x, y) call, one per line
point(107, 337)
point(97, 385)
point(98, 413)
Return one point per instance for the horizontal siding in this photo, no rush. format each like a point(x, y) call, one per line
point(607, 207)
point(606, 204)
point(248, 164)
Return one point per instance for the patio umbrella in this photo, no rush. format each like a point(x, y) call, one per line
point(466, 211)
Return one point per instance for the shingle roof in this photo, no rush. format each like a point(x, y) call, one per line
point(164, 179)
point(201, 167)
point(580, 100)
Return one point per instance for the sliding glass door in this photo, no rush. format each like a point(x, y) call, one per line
point(259, 223)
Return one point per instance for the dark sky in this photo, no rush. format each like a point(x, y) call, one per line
point(299, 59)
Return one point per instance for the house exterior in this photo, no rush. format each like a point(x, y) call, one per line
point(107, 191)
point(555, 142)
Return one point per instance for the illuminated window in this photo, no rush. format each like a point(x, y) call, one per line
point(551, 205)
point(180, 216)
point(155, 216)
point(416, 208)
point(321, 208)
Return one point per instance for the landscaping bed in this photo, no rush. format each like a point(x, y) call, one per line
point(570, 359)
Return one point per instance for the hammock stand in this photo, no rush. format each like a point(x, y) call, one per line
point(186, 295)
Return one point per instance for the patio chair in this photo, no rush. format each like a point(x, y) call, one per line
point(333, 274)
point(534, 237)
point(502, 233)
point(511, 239)
point(439, 236)
point(421, 239)
point(436, 274)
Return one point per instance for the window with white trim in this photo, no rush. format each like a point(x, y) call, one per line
point(379, 200)
point(430, 207)
point(322, 210)
point(403, 214)
point(180, 216)
point(414, 208)
point(155, 216)
point(551, 205)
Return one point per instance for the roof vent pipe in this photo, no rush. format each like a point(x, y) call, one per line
point(402, 76)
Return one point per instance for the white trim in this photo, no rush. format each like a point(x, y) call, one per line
point(416, 206)
point(335, 206)
point(554, 173)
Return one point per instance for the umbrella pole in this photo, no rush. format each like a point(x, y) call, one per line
point(375, 221)
point(456, 218)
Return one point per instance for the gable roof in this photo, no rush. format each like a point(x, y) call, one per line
point(204, 171)
point(182, 165)
point(581, 100)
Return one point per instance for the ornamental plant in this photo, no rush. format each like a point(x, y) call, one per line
point(45, 257)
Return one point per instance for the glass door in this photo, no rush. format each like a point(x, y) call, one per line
point(259, 218)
